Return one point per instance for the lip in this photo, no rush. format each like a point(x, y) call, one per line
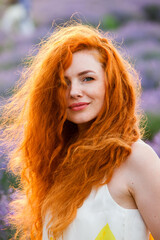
point(78, 106)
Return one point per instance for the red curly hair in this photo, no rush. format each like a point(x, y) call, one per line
point(57, 168)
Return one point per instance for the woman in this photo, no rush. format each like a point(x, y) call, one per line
point(85, 173)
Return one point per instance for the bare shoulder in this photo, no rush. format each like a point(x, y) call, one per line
point(143, 166)
point(143, 157)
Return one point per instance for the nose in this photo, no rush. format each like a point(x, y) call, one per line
point(76, 90)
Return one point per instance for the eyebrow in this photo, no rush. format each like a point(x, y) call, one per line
point(83, 73)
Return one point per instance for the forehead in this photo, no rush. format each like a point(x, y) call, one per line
point(84, 60)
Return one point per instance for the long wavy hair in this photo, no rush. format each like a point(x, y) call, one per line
point(57, 168)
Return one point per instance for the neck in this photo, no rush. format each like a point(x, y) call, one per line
point(83, 128)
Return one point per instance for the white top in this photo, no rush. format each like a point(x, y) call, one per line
point(101, 218)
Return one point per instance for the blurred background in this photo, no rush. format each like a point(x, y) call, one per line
point(135, 25)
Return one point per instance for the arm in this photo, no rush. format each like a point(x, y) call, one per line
point(144, 167)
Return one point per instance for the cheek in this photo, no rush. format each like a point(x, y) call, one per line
point(100, 93)
point(102, 98)
point(103, 90)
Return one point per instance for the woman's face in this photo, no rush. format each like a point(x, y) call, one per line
point(85, 94)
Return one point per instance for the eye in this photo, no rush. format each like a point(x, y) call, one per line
point(87, 79)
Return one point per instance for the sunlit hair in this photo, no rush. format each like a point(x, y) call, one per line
point(57, 167)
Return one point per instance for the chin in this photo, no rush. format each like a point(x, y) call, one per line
point(82, 121)
point(78, 121)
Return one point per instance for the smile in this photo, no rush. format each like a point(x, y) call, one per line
point(78, 106)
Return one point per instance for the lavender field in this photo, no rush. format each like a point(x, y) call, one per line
point(135, 25)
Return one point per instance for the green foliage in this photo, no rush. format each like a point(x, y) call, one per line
point(8, 180)
point(151, 54)
point(152, 12)
point(9, 65)
point(152, 126)
point(7, 233)
point(109, 22)
point(8, 45)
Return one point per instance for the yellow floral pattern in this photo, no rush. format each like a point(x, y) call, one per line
point(51, 235)
point(150, 237)
point(105, 234)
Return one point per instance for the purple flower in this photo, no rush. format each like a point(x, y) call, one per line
point(149, 72)
point(135, 31)
point(4, 201)
point(150, 100)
